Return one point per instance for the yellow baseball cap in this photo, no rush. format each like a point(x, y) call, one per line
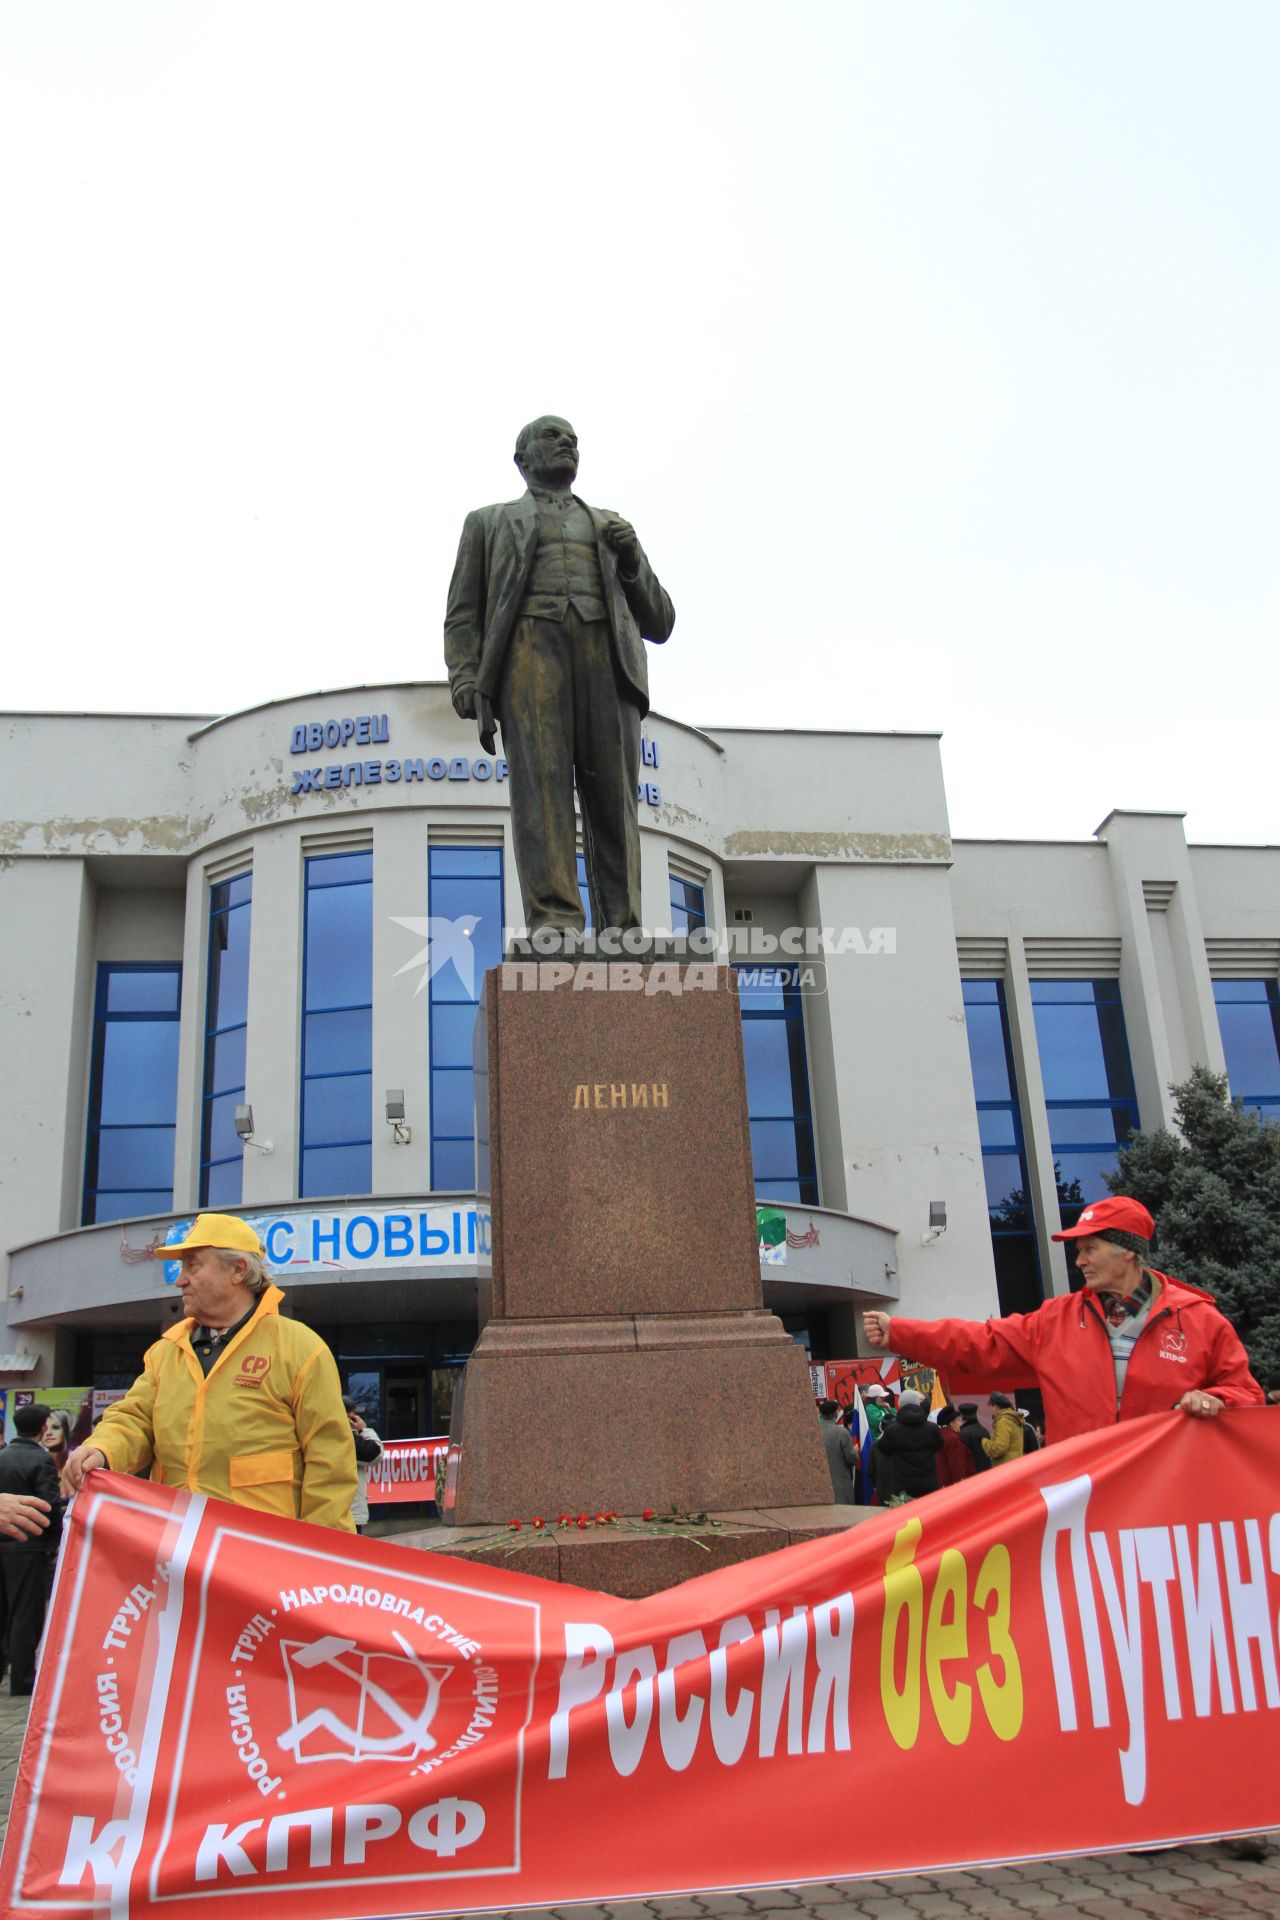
point(223, 1230)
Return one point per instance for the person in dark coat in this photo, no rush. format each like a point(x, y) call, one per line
point(26, 1469)
point(841, 1456)
point(955, 1462)
point(973, 1433)
point(913, 1444)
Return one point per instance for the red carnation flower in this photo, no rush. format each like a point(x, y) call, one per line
point(583, 1521)
point(514, 1525)
point(537, 1521)
point(647, 1514)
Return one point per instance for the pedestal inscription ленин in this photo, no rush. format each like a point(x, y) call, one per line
point(626, 1359)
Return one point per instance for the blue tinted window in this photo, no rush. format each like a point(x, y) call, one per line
point(464, 904)
point(783, 1162)
point(453, 1166)
point(763, 989)
point(340, 1171)
point(336, 1132)
point(688, 906)
point(224, 1183)
point(1004, 1162)
point(997, 1127)
point(338, 870)
point(139, 1072)
point(469, 863)
point(340, 1042)
point(226, 1014)
point(221, 1138)
point(133, 1092)
point(339, 949)
point(584, 893)
point(143, 989)
point(1249, 1021)
point(1088, 1084)
point(453, 1028)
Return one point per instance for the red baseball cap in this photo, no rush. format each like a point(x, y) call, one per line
point(1118, 1214)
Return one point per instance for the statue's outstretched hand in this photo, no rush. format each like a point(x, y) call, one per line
point(621, 536)
point(464, 699)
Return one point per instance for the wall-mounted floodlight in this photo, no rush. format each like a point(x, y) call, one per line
point(244, 1127)
point(937, 1222)
point(401, 1132)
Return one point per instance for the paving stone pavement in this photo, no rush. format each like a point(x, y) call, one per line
point(1182, 1883)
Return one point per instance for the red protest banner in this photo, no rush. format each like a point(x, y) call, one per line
point(230, 1704)
point(406, 1470)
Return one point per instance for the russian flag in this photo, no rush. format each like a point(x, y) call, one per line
point(863, 1439)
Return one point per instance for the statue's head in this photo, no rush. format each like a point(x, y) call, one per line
point(547, 451)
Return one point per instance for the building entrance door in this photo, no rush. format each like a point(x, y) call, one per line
point(406, 1401)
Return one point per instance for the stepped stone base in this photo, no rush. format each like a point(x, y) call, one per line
point(632, 1566)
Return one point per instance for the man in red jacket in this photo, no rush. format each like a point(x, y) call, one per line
point(1133, 1342)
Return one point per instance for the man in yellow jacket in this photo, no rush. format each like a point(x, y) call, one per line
point(234, 1401)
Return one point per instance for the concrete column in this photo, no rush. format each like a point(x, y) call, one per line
point(195, 983)
point(401, 1003)
point(1170, 1016)
point(48, 1010)
point(274, 1040)
point(904, 1087)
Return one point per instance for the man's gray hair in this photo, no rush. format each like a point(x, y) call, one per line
point(256, 1277)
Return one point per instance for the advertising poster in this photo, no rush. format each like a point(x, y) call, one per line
point(407, 1471)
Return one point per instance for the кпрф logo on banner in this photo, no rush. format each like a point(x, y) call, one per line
point(349, 1705)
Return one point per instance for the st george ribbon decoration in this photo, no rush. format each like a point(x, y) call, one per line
point(231, 1705)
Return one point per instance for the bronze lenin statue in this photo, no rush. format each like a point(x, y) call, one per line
point(549, 606)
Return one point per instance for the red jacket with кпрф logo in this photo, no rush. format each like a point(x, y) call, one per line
point(1064, 1349)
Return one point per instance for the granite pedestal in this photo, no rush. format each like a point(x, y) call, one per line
point(626, 1359)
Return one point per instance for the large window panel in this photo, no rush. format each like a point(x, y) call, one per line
point(133, 1092)
point(226, 1016)
point(783, 1160)
point(688, 905)
point(139, 1072)
point(1249, 1021)
point(1088, 1084)
point(340, 1042)
point(1004, 1160)
point(130, 1157)
point(335, 1105)
point(464, 887)
point(337, 1027)
point(339, 969)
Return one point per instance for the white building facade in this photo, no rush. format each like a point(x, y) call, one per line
point(289, 911)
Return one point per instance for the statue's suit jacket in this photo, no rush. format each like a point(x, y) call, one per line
point(495, 561)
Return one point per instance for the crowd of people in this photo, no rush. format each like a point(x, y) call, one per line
point(915, 1450)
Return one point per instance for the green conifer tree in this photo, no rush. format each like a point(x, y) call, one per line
point(1215, 1192)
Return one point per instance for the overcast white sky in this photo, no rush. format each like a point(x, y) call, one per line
point(931, 348)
